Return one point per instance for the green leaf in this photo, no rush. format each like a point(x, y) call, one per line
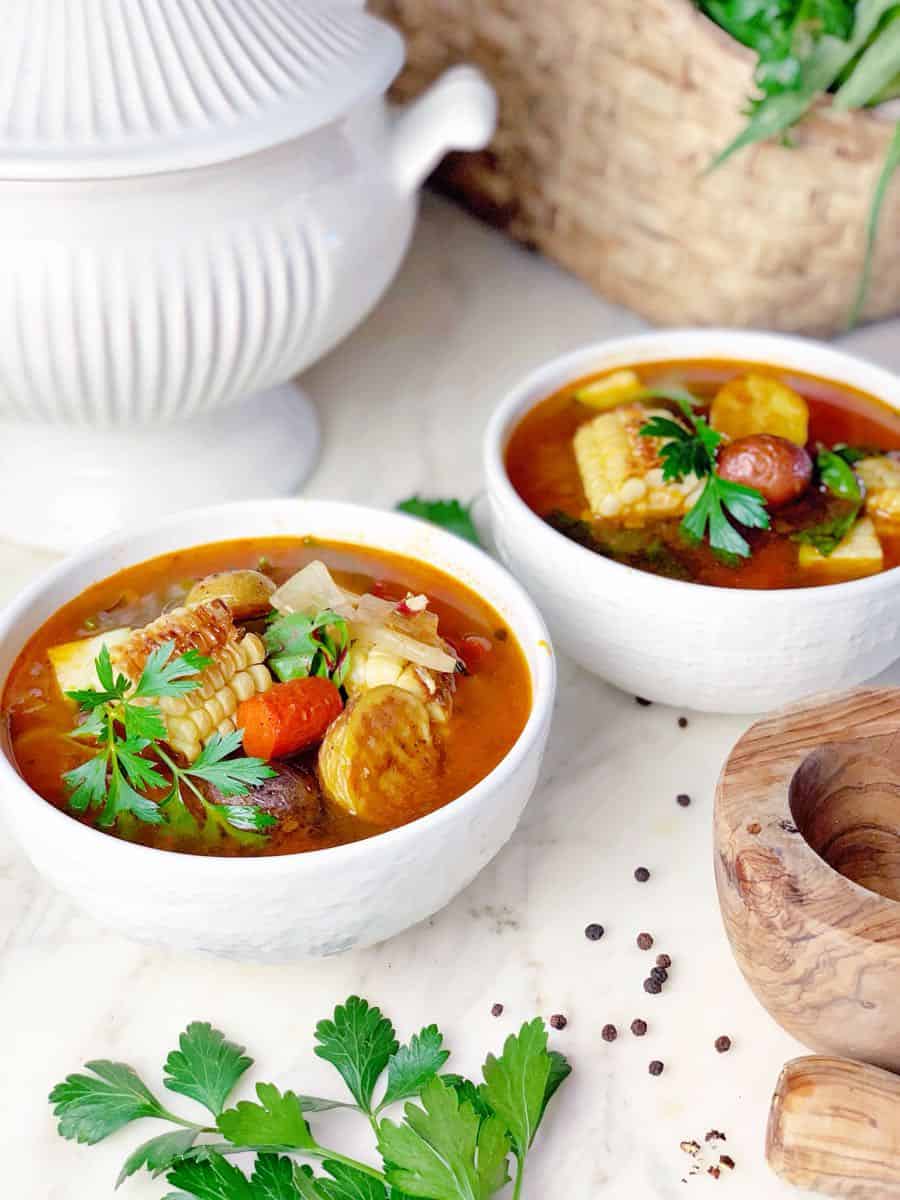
point(515, 1084)
point(91, 1107)
point(878, 65)
point(273, 1178)
point(276, 1121)
point(827, 535)
point(358, 1041)
point(745, 504)
point(90, 699)
point(232, 776)
point(249, 818)
point(93, 726)
point(143, 722)
point(838, 476)
point(560, 1070)
point(211, 1178)
point(412, 1066)
point(891, 163)
point(87, 784)
point(347, 1183)
point(444, 1151)
point(122, 798)
point(159, 1153)
point(451, 515)
point(140, 771)
point(164, 675)
point(665, 427)
point(306, 1183)
point(206, 1066)
point(300, 646)
point(469, 1093)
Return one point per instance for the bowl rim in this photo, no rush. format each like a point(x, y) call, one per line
point(542, 671)
point(688, 344)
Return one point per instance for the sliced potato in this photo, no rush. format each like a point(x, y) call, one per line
point(859, 553)
point(73, 662)
point(380, 758)
point(611, 391)
point(247, 593)
point(759, 404)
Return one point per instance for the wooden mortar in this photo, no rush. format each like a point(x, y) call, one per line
point(807, 861)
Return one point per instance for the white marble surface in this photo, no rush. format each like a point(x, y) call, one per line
point(403, 404)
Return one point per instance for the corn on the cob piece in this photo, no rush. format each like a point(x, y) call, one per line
point(881, 475)
point(206, 628)
point(238, 671)
point(371, 667)
point(621, 471)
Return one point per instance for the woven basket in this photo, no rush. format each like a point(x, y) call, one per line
point(610, 110)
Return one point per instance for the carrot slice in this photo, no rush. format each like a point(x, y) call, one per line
point(289, 717)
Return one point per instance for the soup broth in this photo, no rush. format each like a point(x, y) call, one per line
point(489, 690)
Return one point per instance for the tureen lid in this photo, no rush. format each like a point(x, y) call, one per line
point(94, 88)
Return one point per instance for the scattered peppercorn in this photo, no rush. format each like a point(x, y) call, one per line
point(642, 702)
point(727, 1161)
point(594, 932)
point(656, 1067)
point(683, 799)
point(609, 1033)
point(641, 874)
point(723, 1044)
point(497, 1010)
point(660, 974)
point(644, 941)
point(682, 722)
point(558, 1021)
point(714, 1171)
point(501, 634)
point(663, 960)
point(653, 986)
point(715, 1135)
point(638, 1027)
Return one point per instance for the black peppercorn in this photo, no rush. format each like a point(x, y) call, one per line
point(656, 1067)
point(594, 932)
point(638, 1027)
point(660, 974)
point(653, 986)
point(558, 1021)
point(682, 722)
point(683, 799)
point(641, 874)
point(644, 941)
point(497, 1010)
point(663, 960)
point(609, 1033)
point(723, 1044)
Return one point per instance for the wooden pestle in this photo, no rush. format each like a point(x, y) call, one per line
point(834, 1127)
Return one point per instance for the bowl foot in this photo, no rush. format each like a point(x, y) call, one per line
point(65, 486)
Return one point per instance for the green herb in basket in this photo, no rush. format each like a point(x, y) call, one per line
point(807, 48)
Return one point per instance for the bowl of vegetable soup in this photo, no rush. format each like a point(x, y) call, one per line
point(708, 519)
point(271, 730)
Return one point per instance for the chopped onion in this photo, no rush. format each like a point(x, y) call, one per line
point(311, 590)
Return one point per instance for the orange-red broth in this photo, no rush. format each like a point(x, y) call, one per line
point(541, 466)
point(490, 710)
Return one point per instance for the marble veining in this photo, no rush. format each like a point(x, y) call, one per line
point(403, 405)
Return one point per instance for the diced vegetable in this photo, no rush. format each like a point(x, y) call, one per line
point(378, 753)
point(73, 663)
point(299, 645)
point(310, 591)
point(621, 470)
point(289, 717)
point(859, 553)
point(247, 593)
point(881, 475)
point(759, 404)
point(618, 388)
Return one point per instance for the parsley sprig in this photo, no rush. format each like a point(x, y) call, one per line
point(454, 1141)
point(452, 515)
point(121, 719)
point(692, 450)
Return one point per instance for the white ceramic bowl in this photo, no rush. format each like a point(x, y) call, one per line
point(713, 649)
point(318, 903)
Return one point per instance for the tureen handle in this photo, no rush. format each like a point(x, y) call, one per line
point(459, 112)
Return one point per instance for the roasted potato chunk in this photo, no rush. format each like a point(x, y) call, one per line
point(380, 758)
point(247, 593)
point(610, 391)
point(881, 475)
point(759, 404)
point(858, 554)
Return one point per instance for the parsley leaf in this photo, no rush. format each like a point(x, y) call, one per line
point(745, 504)
point(121, 798)
point(206, 1066)
point(165, 675)
point(347, 1183)
point(413, 1065)
point(358, 1041)
point(299, 646)
point(211, 1178)
point(273, 1178)
point(560, 1070)
point(276, 1121)
point(515, 1084)
point(232, 776)
point(159, 1153)
point(451, 515)
point(444, 1151)
point(838, 475)
point(87, 784)
point(91, 1107)
point(143, 721)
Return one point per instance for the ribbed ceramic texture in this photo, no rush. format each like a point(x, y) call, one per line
point(609, 113)
point(106, 87)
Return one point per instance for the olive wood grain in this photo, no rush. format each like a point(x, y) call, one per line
point(834, 1127)
point(807, 862)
